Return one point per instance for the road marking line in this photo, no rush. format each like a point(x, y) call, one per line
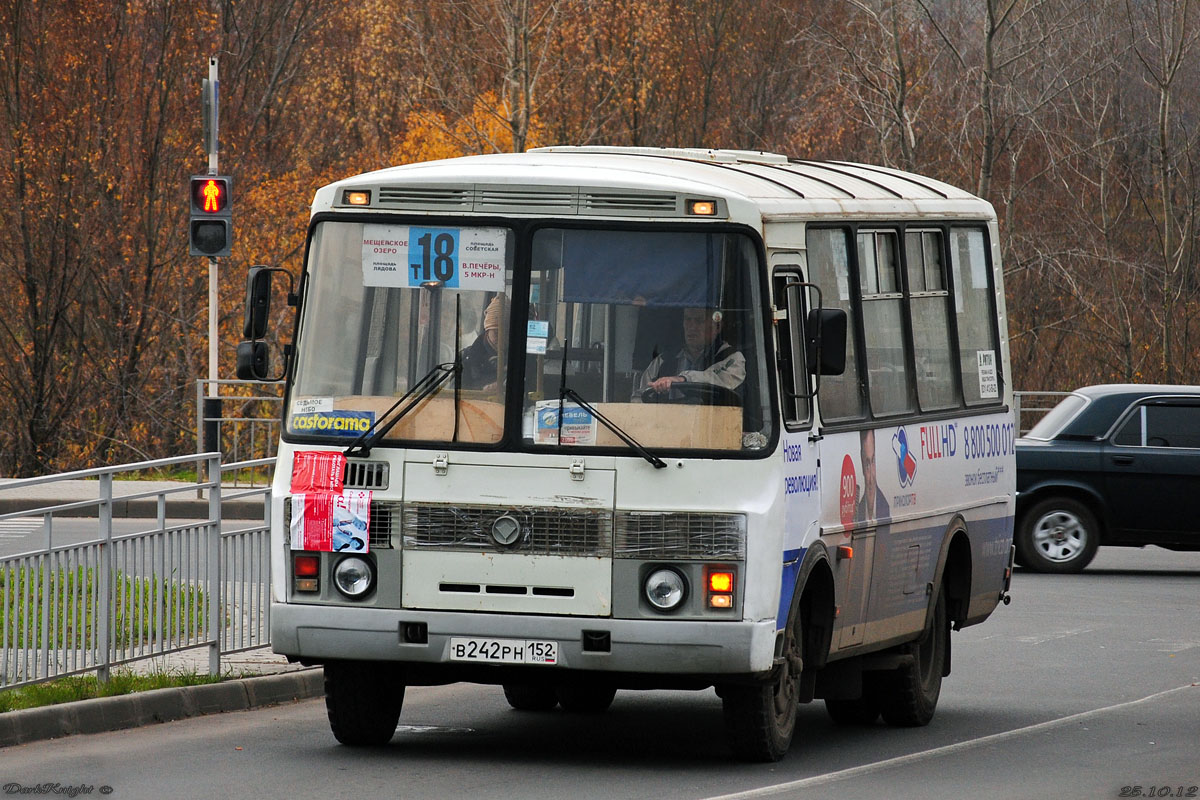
point(899, 761)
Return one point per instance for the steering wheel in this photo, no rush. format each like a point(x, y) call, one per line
point(708, 394)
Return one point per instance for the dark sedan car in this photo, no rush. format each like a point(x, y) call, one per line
point(1109, 465)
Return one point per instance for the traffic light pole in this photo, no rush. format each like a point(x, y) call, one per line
point(212, 403)
point(212, 95)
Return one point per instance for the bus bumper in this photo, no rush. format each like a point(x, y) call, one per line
point(670, 647)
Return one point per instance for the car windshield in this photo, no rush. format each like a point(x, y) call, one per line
point(659, 332)
point(1057, 418)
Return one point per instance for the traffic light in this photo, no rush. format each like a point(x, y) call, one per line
point(210, 227)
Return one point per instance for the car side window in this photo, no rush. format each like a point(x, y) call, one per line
point(1172, 426)
point(1131, 432)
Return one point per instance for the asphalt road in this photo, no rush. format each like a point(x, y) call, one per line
point(1086, 686)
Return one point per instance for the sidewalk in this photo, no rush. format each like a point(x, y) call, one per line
point(287, 683)
point(181, 503)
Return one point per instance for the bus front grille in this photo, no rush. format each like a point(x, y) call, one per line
point(680, 535)
point(537, 530)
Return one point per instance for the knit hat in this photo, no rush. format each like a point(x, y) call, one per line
point(493, 317)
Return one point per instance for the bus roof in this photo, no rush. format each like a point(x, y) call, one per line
point(647, 181)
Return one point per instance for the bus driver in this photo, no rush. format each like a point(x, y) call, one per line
point(705, 358)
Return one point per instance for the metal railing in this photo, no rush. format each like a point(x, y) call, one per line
point(251, 428)
point(1030, 407)
point(82, 591)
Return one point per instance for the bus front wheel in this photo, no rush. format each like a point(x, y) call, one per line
point(363, 700)
point(761, 718)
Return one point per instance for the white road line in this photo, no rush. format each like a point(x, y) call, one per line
point(937, 752)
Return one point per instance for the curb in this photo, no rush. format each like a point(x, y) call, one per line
point(158, 705)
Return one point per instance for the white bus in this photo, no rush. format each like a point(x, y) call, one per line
point(585, 419)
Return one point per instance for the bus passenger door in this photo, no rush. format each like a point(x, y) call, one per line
point(801, 454)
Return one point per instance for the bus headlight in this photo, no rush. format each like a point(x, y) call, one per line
point(665, 589)
point(354, 577)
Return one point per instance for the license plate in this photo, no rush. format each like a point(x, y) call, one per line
point(503, 651)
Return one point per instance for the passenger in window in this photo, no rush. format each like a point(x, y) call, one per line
point(872, 505)
point(705, 362)
point(481, 357)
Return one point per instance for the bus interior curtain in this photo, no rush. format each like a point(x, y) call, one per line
point(670, 269)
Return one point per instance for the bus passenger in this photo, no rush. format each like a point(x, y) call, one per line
point(705, 358)
point(479, 359)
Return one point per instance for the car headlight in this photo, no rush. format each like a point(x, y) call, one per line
point(354, 576)
point(665, 589)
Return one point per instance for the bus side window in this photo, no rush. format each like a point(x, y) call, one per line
point(794, 384)
point(829, 268)
point(978, 352)
point(889, 378)
point(929, 306)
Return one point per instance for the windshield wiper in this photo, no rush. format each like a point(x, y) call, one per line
point(429, 383)
point(565, 391)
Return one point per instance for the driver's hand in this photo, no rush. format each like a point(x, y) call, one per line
point(663, 385)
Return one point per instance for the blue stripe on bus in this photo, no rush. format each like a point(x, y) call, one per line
point(791, 567)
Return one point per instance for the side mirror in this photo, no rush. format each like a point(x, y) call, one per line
point(252, 360)
point(253, 356)
point(258, 302)
point(825, 335)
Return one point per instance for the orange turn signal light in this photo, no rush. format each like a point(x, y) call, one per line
point(720, 581)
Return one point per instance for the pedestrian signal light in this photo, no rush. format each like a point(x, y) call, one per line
point(210, 227)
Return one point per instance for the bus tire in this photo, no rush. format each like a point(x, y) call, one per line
point(908, 696)
point(760, 718)
point(586, 699)
point(363, 701)
point(527, 697)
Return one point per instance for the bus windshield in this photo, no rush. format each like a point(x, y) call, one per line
point(658, 331)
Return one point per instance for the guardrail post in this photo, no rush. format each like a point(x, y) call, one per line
point(214, 565)
point(1017, 411)
point(103, 618)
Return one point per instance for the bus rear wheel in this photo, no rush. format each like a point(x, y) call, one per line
point(908, 696)
point(363, 700)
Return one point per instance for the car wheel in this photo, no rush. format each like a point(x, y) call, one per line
point(1058, 535)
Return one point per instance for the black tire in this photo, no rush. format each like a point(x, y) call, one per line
point(909, 696)
point(863, 711)
point(585, 699)
point(760, 719)
point(1057, 535)
point(363, 700)
point(527, 697)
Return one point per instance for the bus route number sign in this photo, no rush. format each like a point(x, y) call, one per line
point(452, 258)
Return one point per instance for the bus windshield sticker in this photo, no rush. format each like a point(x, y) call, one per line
point(454, 258)
point(333, 423)
point(579, 426)
point(312, 405)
